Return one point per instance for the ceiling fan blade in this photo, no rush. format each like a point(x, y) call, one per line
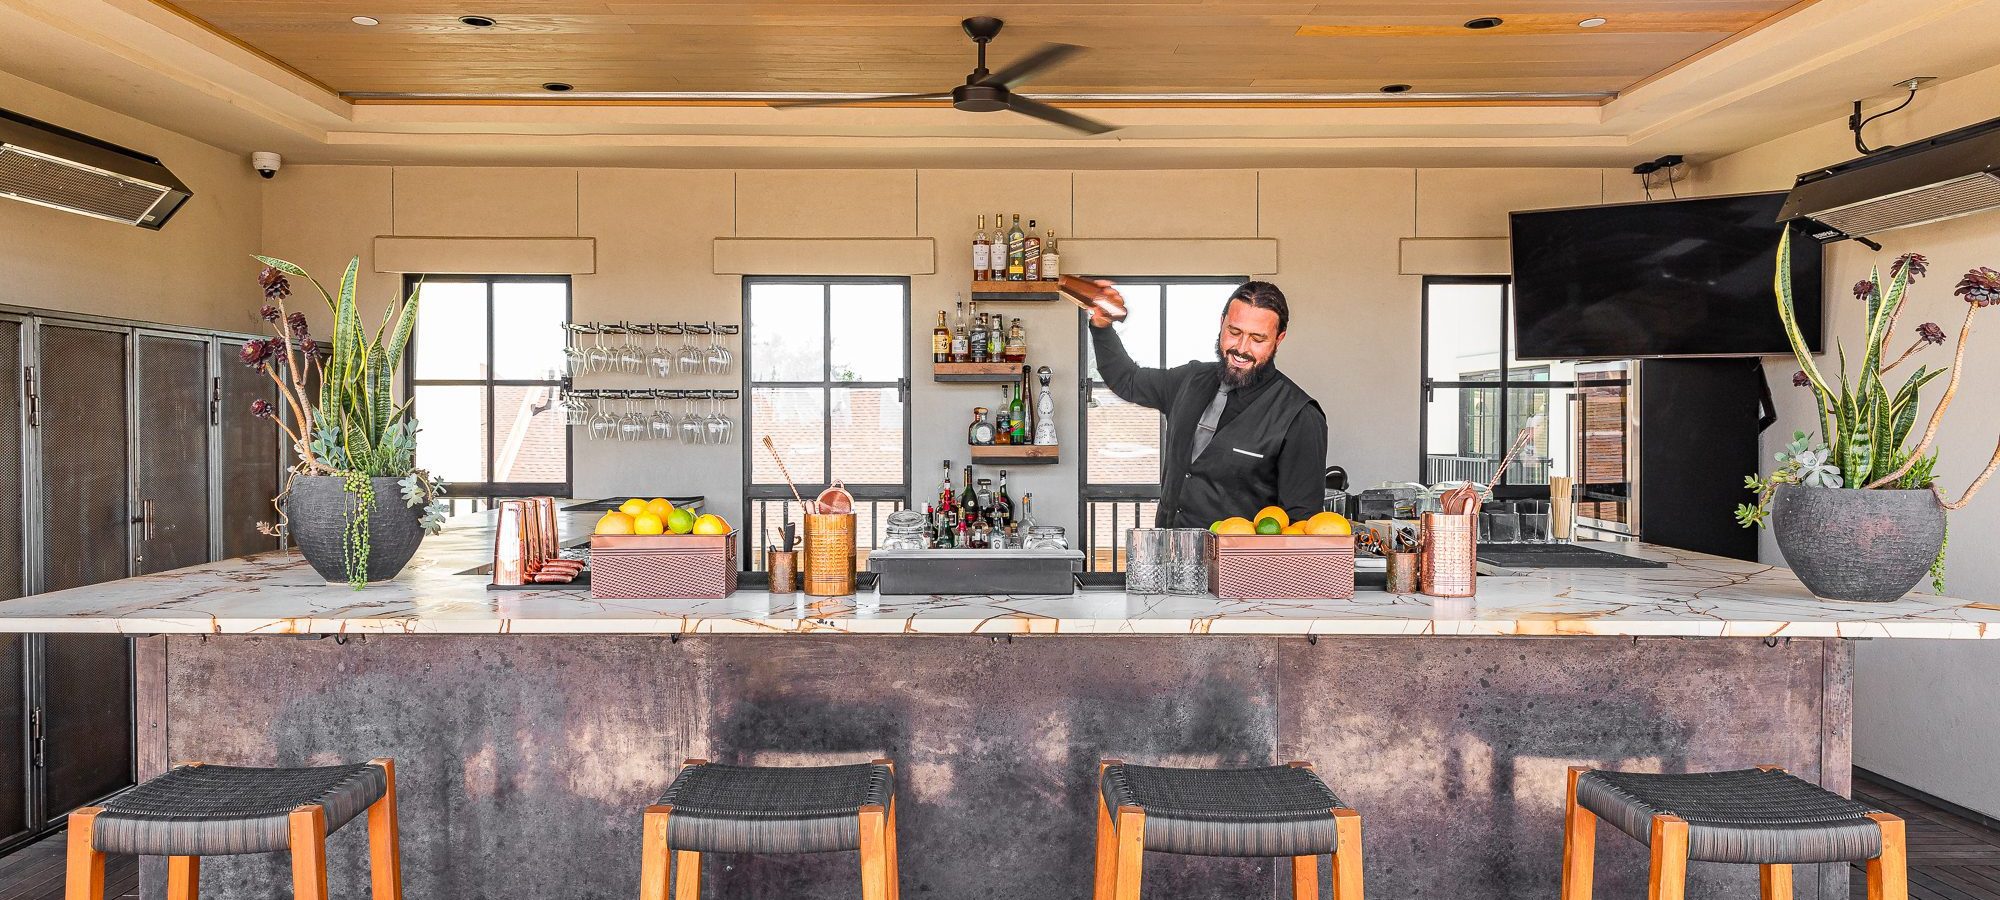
point(1067, 119)
point(1027, 66)
point(853, 101)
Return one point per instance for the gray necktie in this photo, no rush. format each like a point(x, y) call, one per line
point(1204, 430)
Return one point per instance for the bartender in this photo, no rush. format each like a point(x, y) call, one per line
point(1240, 435)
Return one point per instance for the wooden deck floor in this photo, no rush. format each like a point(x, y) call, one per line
point(1951, 858)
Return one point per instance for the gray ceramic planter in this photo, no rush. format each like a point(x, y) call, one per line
point(317, 510)
point(1866, 546)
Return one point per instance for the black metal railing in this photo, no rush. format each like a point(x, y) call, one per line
point(1105, 522)
point(1523, 470)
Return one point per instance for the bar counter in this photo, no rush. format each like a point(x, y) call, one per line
point(531, 729)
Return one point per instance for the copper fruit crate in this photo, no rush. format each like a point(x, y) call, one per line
point(1282, 566)
point(663, 566)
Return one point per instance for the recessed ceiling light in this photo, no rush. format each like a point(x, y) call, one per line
point(1484, 22)
point(1395, 88)
point(365, 20)
point(556, 86)
point(476, 21)
point(1591, 22)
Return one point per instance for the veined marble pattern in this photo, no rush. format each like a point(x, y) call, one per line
point(277, 593)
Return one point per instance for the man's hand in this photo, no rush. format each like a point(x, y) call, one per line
point(1099, 316)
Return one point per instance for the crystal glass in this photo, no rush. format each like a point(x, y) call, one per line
point(632, 426)
point(1046, 537)
point(1148, 554)
point(1187, 569)
point(717, 424)
point(691, 358)
point(660, 358)
point(693, 429)
point(597, 357)
point(603, 425)
point(661, 423)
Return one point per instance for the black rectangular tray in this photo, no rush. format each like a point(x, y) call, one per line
point(975, 571)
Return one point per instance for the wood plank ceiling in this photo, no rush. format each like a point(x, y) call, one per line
point(899, 46)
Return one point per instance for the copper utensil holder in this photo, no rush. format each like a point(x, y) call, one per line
point(1450, 555)
point(829, 555)
point(783, 568)
point(1403, 577)
point(512, 557)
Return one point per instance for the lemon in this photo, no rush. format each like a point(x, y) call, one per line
point(711, 525)
point(659, 506)
point(1269, 525)
point(647, 523)
point(1273, 512)
point(680, 521)
point(614, 522)
point(632, 507)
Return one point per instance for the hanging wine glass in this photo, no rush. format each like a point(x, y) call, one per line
point(575, 411)
point(603, 425)
point(660, 359)
point(632, 426)
point(716, 423)
point(598, 357)
point(715, 360)
point(661, 422)
point(693, 429)
point(572, 348)
point(692, 357)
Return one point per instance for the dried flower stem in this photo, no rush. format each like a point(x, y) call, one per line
point(1937, 415)
point(1976, 484)
point(1919, 345)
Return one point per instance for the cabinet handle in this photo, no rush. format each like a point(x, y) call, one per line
point(145, 520)
point(215, 401)
point(34, 402)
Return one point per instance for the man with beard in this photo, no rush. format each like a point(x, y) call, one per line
point(1240, 435)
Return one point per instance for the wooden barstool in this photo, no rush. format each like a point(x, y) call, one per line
point(1763, 817)
point(197, 810)
point(713, 808)
point(1275, 811)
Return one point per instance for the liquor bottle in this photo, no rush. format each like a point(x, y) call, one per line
point(930, 527)
point(1051, 260)
point(1031, 255)
point(1017, 413)
point(1045, 411)
point(985, 497)
point(1017, 251)
point(982, 534)
point(979, 339)
point(1028, 510)
point(1017, 344)
point(982, 259)
point(1003, 423)
point(940, 341)
point(961, 536)
point(945, 493)
point(968, 501)
point(1003, 505)
point(961, 347)
point(996, 339)
point(979, 433)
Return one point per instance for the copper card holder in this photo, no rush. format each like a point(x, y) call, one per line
point(829, 555)
point(1450, 556)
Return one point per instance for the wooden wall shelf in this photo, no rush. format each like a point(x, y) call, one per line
point(1016, 454)
point(979, 373)
point(1005, 291)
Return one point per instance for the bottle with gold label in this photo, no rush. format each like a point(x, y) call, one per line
point(1051, 261)
point(1031, 265)
point(1017, 344)
point(982, 259)
point(1017, 251)
point(941, 341)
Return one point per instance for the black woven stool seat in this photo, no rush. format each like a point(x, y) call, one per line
point(1274, 811)
point(1744, 816)
point(758, 809)
point(220, 810)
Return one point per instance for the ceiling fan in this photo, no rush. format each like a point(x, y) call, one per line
point(985, 91)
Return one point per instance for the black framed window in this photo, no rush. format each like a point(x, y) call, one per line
point(1476, 396)
point(484, 373)
point(1170, 321)
point(826, 375)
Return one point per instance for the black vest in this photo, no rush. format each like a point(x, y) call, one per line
point(1238, 473)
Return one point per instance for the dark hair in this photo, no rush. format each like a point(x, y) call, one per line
point(1263, 295)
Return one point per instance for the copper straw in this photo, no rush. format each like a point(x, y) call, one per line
point(809, 510)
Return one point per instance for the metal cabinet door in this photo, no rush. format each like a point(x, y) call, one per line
point(14, 818)
point(249, 450)
point(171, 453)
point(82, 441)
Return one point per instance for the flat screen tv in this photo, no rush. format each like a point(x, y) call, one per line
point(1672, 278)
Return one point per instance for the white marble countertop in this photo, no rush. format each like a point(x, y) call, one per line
point(276, 593)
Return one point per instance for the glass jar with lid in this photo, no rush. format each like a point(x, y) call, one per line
point(1046, 537)
point(906, 530)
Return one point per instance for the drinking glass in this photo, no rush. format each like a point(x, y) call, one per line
point(632, 425)
point(1187, 570)
point(659, 358)
point(718, 424)
point(598, 357)
point(575, 410)
point(716, 360)
point(1148, 553)
point(603, 425)
point(573, 348)
point(631, 356)
point(691, 357)
point(662, 420)
point(693, 429)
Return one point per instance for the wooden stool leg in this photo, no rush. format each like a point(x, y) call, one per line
point(1579, 844)
point(1107, 842)
point(1776, 881)
point(84, 876)
point(309, 853)
point(1305, 878)
point(687, 875)
point(874, 853)
point(385, 851)
point(183, 878)
point(895, 877)
point(1347, 855)
point(1670, 858)
point(1888, 874)
point(1131, 841)
point(654, 857)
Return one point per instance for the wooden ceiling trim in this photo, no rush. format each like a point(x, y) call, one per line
point(1718, 46)
point(245, 46)
point(1555, 24)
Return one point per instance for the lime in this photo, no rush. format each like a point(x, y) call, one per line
point(680, 521)
point(1269, 525)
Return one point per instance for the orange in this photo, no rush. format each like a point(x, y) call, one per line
point(614, 522)
point(647, 523)
point(1328, 523)
point(632, 507)
point(1235, 525)
point(711, 524)
point(1272, 512)
point(659, 506)
point(1296, 528)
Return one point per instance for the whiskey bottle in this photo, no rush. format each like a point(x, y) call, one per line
point(961, 348)
point(1017, 251)
point(982, 259)
point(996, 339)
point(1017, 344)
point(1003, 424)
point(1031, 262)
point(940, 341)
point(1051, 260)
point(978, 434)
point(1003, 505)
point(979, 339)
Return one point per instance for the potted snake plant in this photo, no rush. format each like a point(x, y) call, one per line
point(355, 504)
point(1861, 517)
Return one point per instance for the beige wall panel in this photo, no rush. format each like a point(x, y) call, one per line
point(439, 201)
point(826, 203)
point(320, 217)
point(486, 256)
point(1172, 256)
point(1475, 202)
point(825, 256)
point(1167, 204)
point(195, 271)
point(1354, 333)
point(1456, 256)
point(655, 230)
